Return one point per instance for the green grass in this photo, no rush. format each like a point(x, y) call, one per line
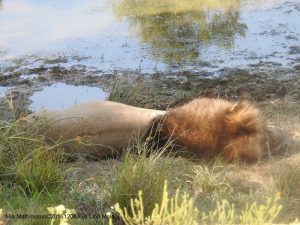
point(141, 171)
point(209, 178)
point(28, 162)
point(16, 201)
point(175, 210)
point(30, 172)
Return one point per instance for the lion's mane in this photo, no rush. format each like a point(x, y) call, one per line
point(207, 126)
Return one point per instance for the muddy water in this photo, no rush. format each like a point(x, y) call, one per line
point(146, 36)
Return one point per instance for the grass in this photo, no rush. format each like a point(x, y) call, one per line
point(175, 210)
point(28, 162)
point(30, 172)
point(131, 90)
point(225, 213)
point(181, 209)
point(142, 92)
point(286, 179)
point(137, 165)
point(209, 178)
point(17, 202)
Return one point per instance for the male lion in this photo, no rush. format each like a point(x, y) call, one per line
point(204, 126)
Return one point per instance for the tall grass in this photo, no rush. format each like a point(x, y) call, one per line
point(141, 171)
point(210, 178)
point(30, 173)
point(16, 201)
point(286, 179)
point(175, 210)
point(27, 161)
point(131, 91)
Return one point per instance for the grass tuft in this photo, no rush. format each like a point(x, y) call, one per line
point(226, 213)
point(131, 91)
point(286, 179)
point(210, 178)
point(140, 172)
point(28, 162)
point(175, 210)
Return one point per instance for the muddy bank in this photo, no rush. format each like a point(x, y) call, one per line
point(159, 90)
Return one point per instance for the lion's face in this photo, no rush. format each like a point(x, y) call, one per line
point(275, 141)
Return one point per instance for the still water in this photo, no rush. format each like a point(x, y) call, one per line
point(61, 96)
point(2, 91)
point(148, 35)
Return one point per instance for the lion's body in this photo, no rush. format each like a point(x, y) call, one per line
point(102, 127)
point(203, 126)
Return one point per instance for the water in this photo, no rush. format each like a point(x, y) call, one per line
point(28, 76)
point(60, 96)
point(147, 35)
point(3, 91)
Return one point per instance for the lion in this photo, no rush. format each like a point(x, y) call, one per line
point(203, 126)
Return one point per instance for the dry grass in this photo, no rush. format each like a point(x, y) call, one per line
point(285, 114)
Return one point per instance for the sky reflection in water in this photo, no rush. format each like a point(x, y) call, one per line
point(60, 96)
point(150, 35)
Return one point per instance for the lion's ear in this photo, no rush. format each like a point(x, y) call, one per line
point(242, 118)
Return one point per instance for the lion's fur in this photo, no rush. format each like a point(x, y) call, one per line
point(98, 128)
point(216, 127)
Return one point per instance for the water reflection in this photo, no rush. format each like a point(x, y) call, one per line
point(176, 30)
point(60, 96)
point(2, 91)
point(146, 35)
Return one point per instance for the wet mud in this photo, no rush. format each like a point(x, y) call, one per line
point(57, 88)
